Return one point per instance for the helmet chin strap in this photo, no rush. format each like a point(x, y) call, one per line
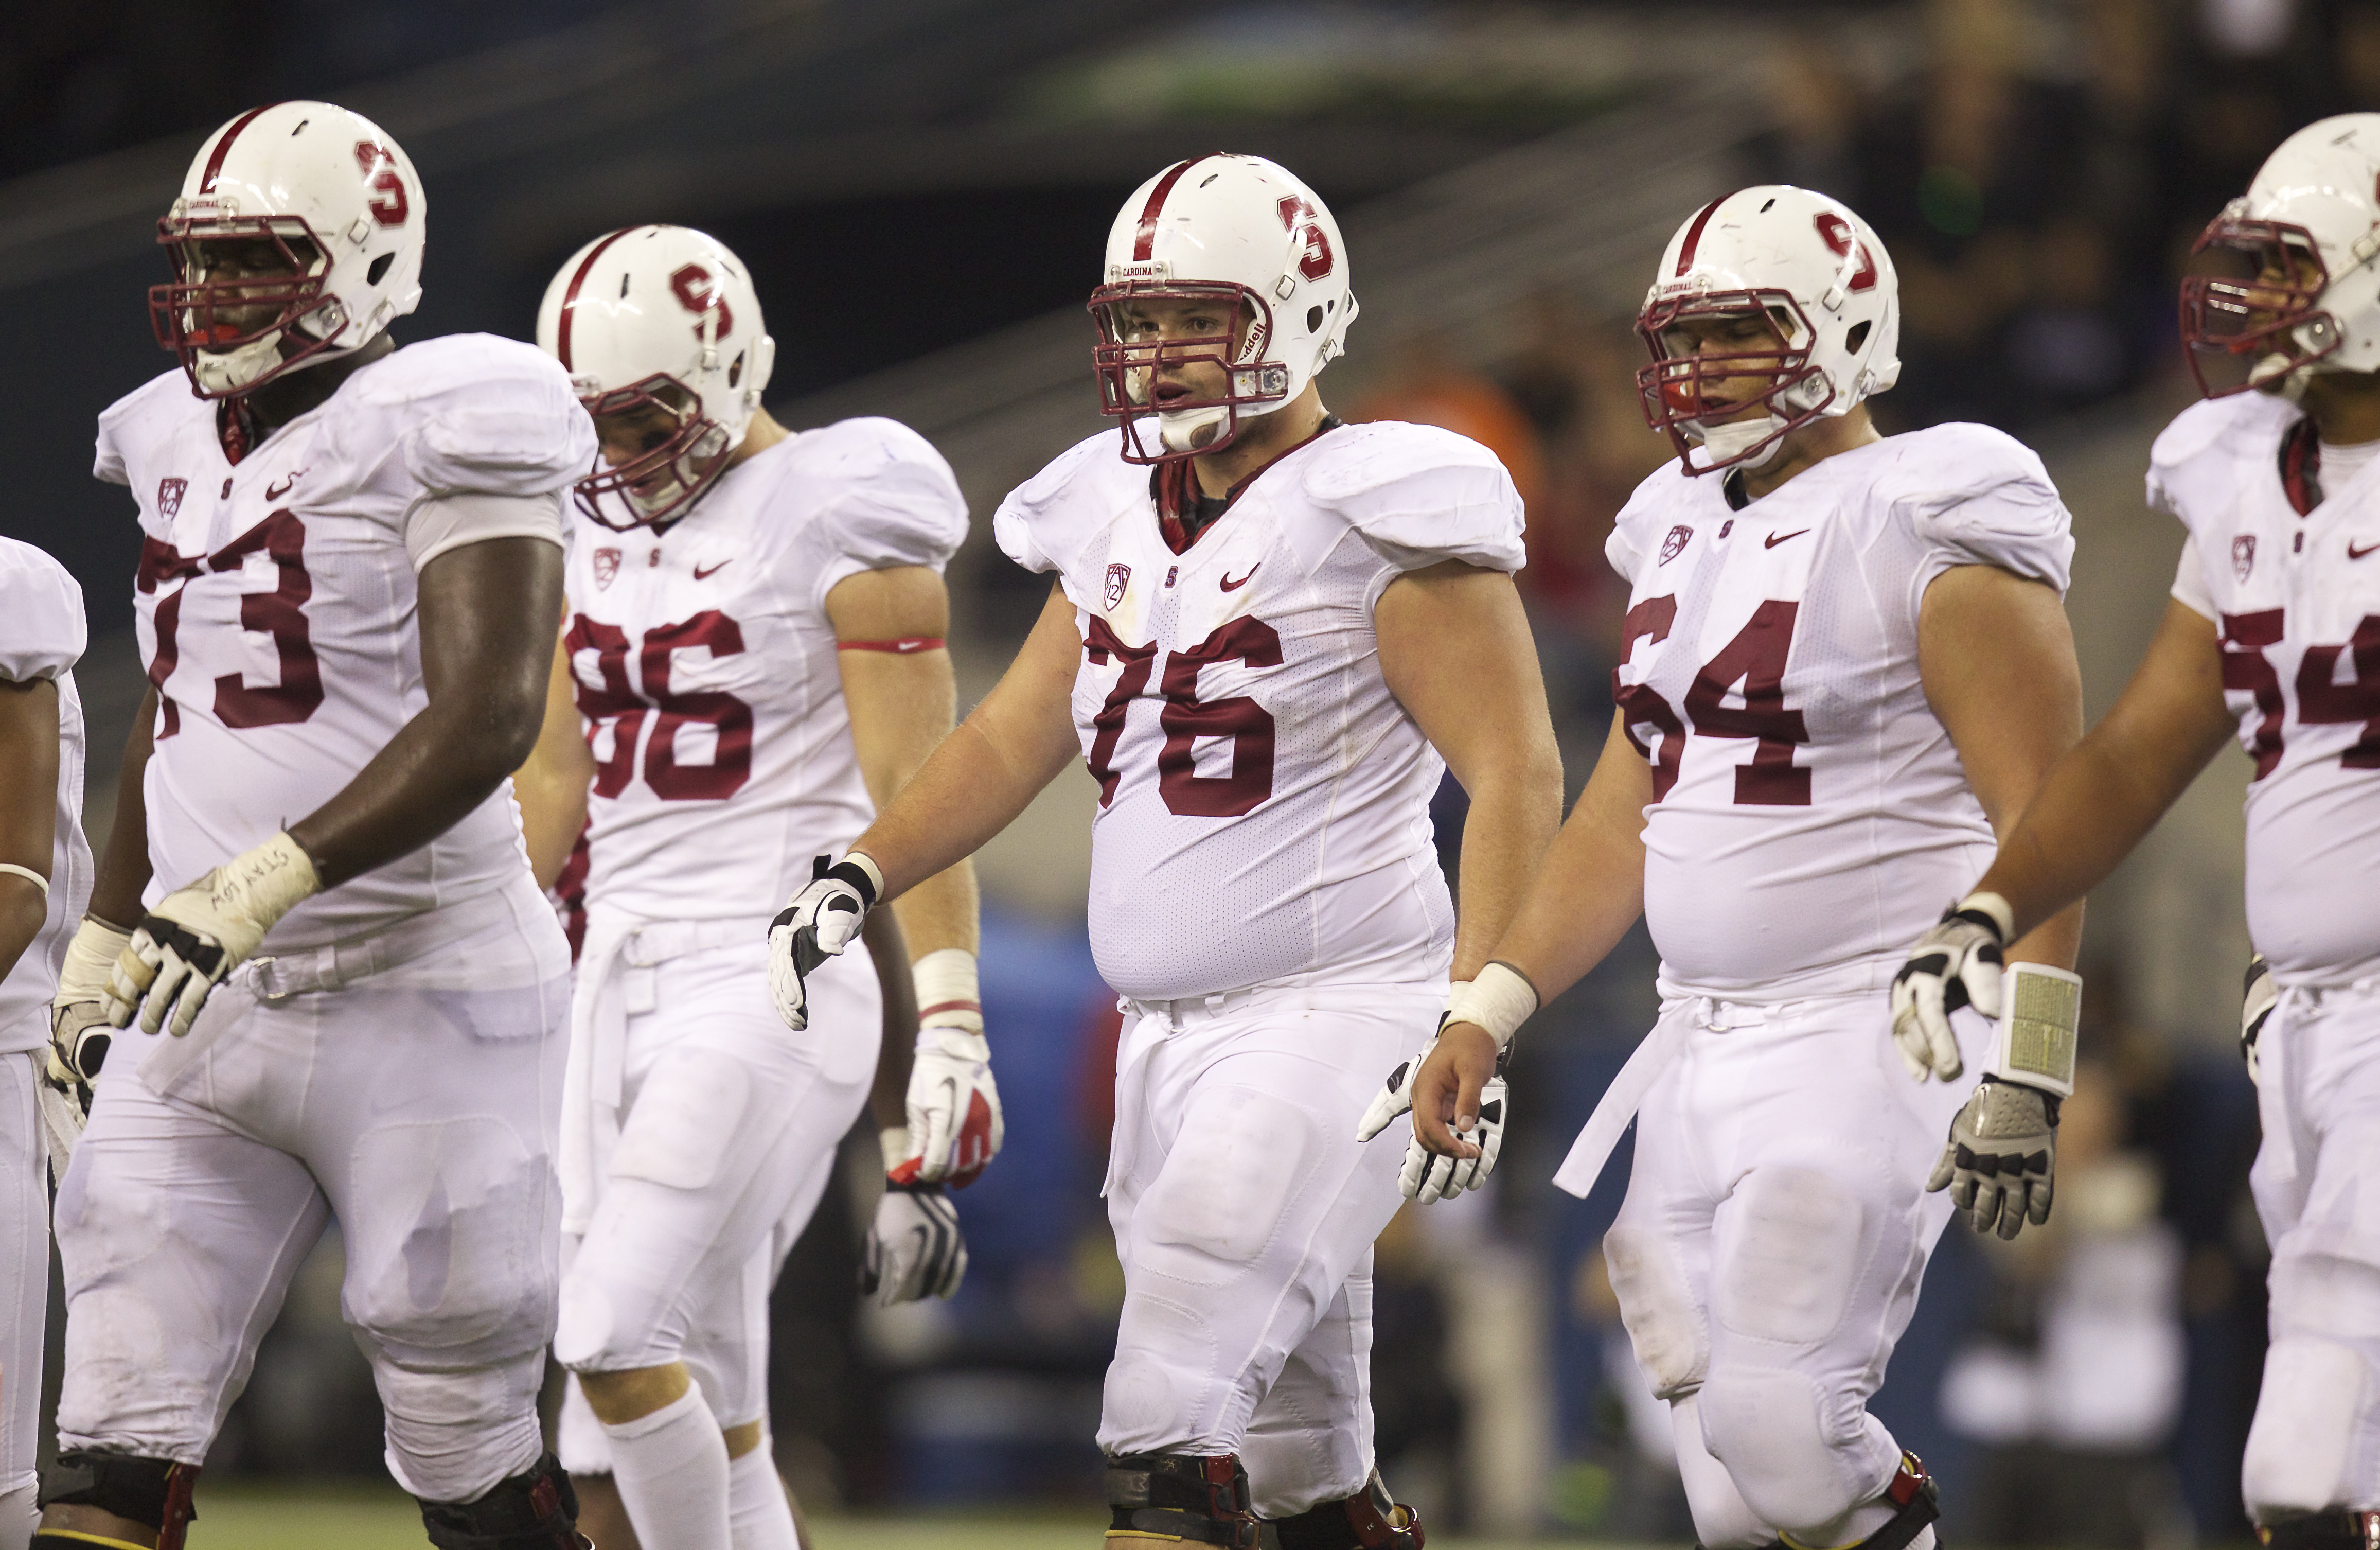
point(229, 371)
point(1190, 429)
point(1728, 442)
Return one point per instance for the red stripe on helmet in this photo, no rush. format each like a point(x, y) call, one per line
point(223, 146)
point(1694, 234)
point(570, 297)
point(1147, 236)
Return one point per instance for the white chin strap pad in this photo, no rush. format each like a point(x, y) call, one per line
point(1191, 430)
point(1729, 441)
point(224, 371)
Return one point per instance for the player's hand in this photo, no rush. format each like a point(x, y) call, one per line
point(80, 1034)
point(1956, 964)
point(915, 1248)
point(2001, 1163)
point(954, 1108)
point(1459, 1077)
point(198, 935)
point(819, 923)
point(2258, 996)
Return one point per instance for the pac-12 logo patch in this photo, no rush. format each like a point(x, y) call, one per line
point(607, 565)
point(1119, 577)
point(1675, 544)
point(2243, 554)
point(169, 496)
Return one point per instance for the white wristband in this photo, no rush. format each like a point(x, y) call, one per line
point(894, 1140)
point(1499, 1000)
point(2041, 1011)
point(875, 873)
point(29, 874)
point(948, 995)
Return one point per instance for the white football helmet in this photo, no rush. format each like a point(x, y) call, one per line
point(1815, 275)
point(666, 318)
point(340, 202)
point(1241, 230)
point(2303, 294)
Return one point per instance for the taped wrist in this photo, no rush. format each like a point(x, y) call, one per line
point(863, 874)
point(1499, 1000)
point(948, 993)
point(1986, 908)
point(533, 1510)
point(154, 1493)
point(894, 1141)
point(2034, 1041)
point(1202, 1499)
point(91, 958)
point(262, 884)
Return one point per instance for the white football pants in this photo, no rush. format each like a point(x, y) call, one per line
point(1244, 1212)
point(24, 1271)
point(2315, 1442)
point(728, 1127)
point(1768, 1253)
point(407, 1098)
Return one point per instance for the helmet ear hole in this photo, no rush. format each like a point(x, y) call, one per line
point(1314, 320)
point(736, 370)
point(379, 270)
point(1857, 337)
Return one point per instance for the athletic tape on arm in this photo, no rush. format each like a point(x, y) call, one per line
point(1498, 999)
point(2034, 1042)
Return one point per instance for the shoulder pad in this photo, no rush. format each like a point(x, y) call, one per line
point(43, 630)
point(2213, 422)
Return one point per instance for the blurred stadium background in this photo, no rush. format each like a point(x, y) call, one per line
point(921, 187)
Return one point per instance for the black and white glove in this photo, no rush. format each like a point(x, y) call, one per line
point(2258, 996)
point(915, 1248)
point(1497, 1002)
point(80, 1034)
point(1428, 1177)
point(818, 924)
point(2000, 1164)
point(1956, 964)
point(955, 1124)
point(198, 935)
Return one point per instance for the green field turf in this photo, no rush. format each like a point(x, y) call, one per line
point(239, 1518)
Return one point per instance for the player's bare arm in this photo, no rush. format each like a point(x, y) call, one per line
point(551, 787)
point(29, 753)
point(1579, 903)
point(902, 700)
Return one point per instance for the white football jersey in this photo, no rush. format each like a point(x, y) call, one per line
point(41, 636)
point(705, 668)
point(276, 605)
point(2296, 602)
point(1264, 800)
point(1809, 815)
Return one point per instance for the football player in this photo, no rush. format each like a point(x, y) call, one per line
point(1847, 665)
point(1269, 634)
point(44, 879)
point(336, 988)
point(2273, 636)
point(757, 656)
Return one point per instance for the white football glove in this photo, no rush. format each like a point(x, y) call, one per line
point(1426, 1176)
point(198, 935)
point(818, 924)
point(80, 1034)
point(2000, 1164)
point(2258, 997)
point(915, 1248)
point(952, 1103)
point(1956, 964)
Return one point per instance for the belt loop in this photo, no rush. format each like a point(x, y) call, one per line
point(262, 968)
point(1214, 1001)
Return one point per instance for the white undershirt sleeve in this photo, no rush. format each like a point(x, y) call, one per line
point(451, 522)
point(2190, 583)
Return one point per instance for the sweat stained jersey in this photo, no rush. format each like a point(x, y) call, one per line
point(706, 674)
point(276, 605)
point(1809, 815)
point(2297, 602)
point(1264, 800)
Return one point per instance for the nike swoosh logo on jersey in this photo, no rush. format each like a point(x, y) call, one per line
point(274, 492)
point(1232, 586)
point(1775, 539)
point(2355, 554)
point(702, 575)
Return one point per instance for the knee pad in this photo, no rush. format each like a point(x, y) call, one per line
point(1182, 1496)
point(154, 1493)
point(533, 1510)
point(1370, 1519)
point(683, 1121)
point(1665, 1328)
point(2302, 1440)
point(455, 1436)
point(1798, 1458)
point(1787, 1272)
point(457, 1267)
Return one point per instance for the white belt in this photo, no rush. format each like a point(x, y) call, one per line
point(275, 977)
